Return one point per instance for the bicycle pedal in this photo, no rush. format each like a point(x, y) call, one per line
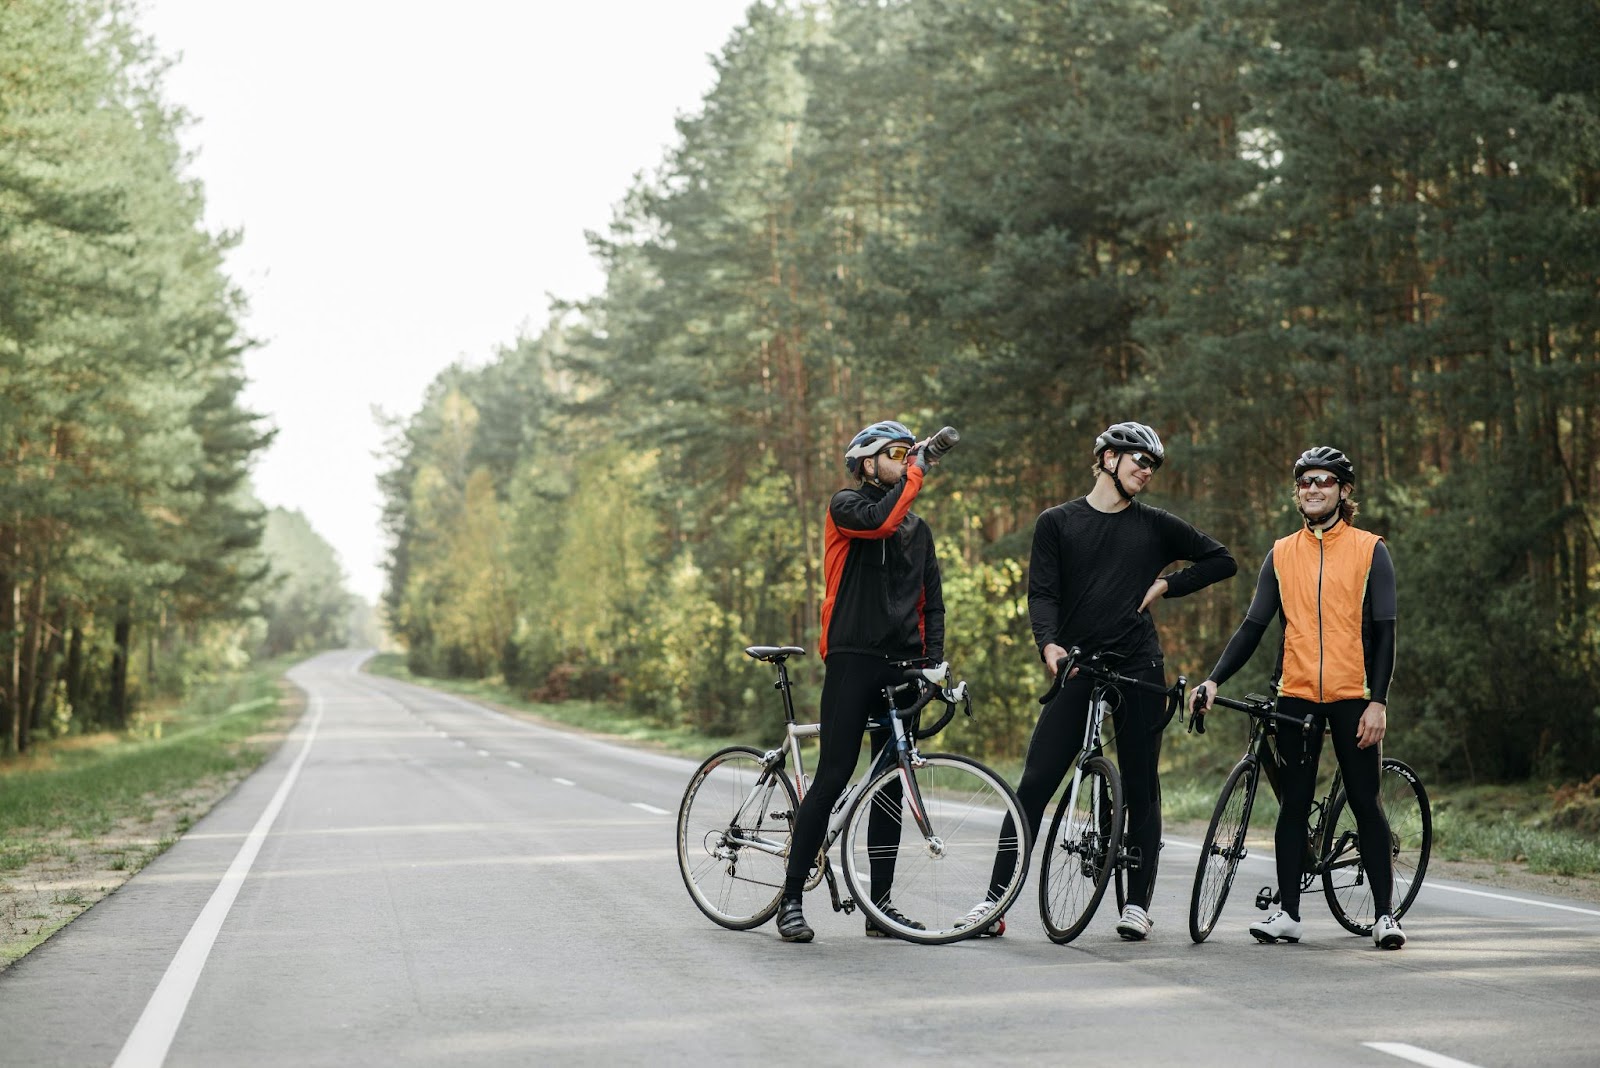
point(1265, 899)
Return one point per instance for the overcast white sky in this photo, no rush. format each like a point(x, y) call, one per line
point(412, 182)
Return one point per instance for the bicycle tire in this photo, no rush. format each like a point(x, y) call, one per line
point(937, 879)
point(1223, 848)
point(1080, 851)
point(1344, 884)
point(733, 795)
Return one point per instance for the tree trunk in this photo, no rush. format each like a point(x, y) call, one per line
point(120, 636)
point(12, 651)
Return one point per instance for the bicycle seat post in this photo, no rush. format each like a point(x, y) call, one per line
point(783, 684)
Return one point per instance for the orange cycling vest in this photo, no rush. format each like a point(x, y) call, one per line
point(1322, 585)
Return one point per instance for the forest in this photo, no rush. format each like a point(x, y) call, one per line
point(1256, 225)
point(134, 558)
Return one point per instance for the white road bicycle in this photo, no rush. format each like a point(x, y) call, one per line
point(933, 819)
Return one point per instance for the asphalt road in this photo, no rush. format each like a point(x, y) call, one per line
point(414, 879)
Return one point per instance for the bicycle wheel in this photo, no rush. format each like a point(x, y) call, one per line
point(1222, 849)
point(1344, 882)
point(938, 877)
point(1081, 850)
point(733, 836)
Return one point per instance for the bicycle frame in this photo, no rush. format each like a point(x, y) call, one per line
point(901, 749)
point(1099, 708)
point(1264, 759)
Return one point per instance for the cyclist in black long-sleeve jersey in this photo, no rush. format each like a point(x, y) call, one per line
point(1333, 585)
point(1094, 572)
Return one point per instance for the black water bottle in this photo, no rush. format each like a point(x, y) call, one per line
point(941, 443)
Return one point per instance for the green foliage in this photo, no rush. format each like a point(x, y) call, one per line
point(1257, 226)
point(128, 537)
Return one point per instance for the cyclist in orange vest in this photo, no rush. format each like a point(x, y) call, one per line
point(1333, 585)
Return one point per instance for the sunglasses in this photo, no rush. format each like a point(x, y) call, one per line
point(1320, 481)
point(1146, 463)
point(896, 452)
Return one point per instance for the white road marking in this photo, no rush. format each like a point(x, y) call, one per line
point(152, 1036)
point(651, 808)
point(512, 764)
point(1418, 1055)
point(1427, 885)
point(483, 752)
point(1507, 897)
point(564, 782)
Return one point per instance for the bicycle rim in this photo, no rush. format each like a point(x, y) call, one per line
point(733, 801)
point(1080, 851)
point(937, 878)
point(1222, 850)
point(1344, 882)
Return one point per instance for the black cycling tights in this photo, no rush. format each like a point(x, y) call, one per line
point(1361, 768)
point(1139, 717)
point(852, 692)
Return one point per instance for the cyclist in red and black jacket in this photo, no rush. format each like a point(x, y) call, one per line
point(883, 606)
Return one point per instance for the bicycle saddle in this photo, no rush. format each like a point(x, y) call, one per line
point(773, 654)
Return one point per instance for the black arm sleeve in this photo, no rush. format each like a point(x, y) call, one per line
point(1383, 641)
point(1044, 571)
point(1382, 601)
point(932, 605)
point(1241, 647)
point(1263, 606)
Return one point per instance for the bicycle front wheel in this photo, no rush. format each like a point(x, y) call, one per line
point(936, 878)
point(1222, 849)
point(733, 836)
point(1081, 850)
point(1344, 880)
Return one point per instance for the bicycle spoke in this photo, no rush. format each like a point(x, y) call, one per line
point(1221, 852)
point(733, 831)
point(1345, 883)
point(1079, 851)
point(933, 878)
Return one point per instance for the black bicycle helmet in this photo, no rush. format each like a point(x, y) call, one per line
point(1131, 437)
point(1326, 458)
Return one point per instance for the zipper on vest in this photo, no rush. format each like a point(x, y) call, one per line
point(1322, 559)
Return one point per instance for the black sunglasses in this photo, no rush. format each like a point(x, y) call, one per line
point(1146, 463)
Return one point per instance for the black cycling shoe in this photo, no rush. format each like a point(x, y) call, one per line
point(792, 926)
point(874, 931)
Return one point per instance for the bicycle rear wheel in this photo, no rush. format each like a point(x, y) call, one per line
point(733, 836)
point(936, 878)
point(1081, 851)
point(1344, 882)
point(1222, 849)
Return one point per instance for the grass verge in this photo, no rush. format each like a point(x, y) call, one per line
point(80, 815)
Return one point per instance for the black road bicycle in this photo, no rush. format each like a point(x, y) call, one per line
point(1333, 848)
point(1084, 850)
point(938, 820)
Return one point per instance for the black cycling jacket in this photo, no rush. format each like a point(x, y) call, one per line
point(883, 596)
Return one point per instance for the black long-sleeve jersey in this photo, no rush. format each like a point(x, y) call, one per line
point(1090, 569)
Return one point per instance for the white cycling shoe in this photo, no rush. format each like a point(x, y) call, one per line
point(1279, 927)
point(1386, 933)
point(1135, 924)
point(994, 924)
